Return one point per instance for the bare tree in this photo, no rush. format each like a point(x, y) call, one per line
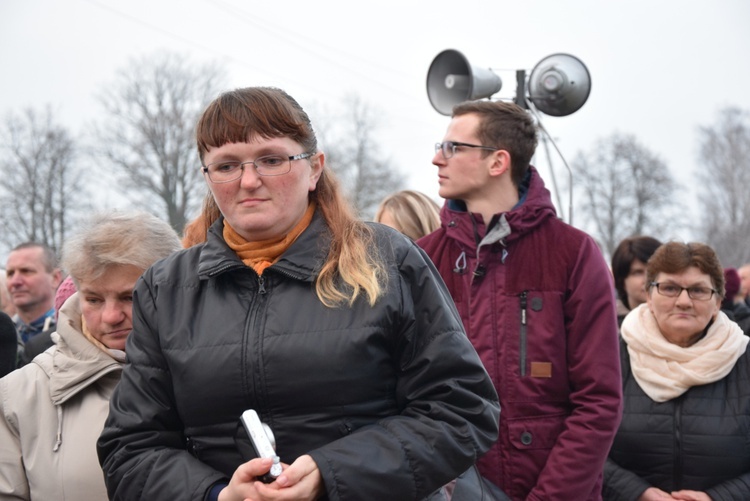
point(724, 178)
point(354, 153)
point(40, 186)
point(148, 136)
point(627, 190)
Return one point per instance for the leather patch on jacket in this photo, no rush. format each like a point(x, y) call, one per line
point(541, 369)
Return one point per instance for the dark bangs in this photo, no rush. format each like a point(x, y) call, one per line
point(268, 112)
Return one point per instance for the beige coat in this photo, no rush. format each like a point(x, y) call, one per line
point(51, 414)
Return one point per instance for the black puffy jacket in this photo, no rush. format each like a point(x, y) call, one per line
point(698, 441)
point(391, 401)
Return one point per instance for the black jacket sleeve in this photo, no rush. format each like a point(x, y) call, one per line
point(737, 488)
point(621, 484)
point(151, 457)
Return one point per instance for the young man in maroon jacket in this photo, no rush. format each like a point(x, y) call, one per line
point(537, 301)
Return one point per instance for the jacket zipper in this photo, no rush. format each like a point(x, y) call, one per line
point(522, 348)
point(288, 274)
point(678, 444)
point(251, 355)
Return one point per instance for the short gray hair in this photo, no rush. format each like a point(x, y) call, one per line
point(49, 258)
point(117, 238)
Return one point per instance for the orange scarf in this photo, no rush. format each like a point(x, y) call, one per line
point(262, 254)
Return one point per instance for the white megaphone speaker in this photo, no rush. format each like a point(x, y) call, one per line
point(452, 80)
point(559, 85)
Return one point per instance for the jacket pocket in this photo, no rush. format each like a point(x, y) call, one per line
point(539, 432)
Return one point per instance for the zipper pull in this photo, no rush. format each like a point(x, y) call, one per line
point(480, 271)
point(523, 307)
point(261, 284)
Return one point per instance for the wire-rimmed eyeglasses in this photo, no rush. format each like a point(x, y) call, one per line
point(268, 165)
point(697, 292)
point(448, 148)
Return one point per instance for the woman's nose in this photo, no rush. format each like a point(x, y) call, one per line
point(250, 177)
point(113, 314)
point(684, 298)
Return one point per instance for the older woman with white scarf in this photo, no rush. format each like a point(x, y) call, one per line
point(686, 385)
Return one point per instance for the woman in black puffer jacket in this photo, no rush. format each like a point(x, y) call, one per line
point(340, 334)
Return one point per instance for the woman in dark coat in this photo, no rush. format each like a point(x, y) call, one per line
point(340, 334)
point(686, 377)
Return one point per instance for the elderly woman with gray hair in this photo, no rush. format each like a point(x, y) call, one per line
point(686, 376)
point(53, 409)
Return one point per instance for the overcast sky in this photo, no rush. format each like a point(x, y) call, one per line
point(659, 68)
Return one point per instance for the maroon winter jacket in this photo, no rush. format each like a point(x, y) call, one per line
point(537, 301)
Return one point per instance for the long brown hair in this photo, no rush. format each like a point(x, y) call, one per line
point(196, 231)
point(268, 112)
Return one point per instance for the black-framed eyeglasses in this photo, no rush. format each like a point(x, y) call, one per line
point(696, 292)
point(268, 165)
point(448, 148)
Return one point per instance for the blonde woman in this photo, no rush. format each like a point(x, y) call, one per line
point(411, 212)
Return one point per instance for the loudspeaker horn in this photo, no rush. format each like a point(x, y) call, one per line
point(559, 85)
point(452, 80)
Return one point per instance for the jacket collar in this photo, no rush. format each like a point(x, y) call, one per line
point(302, 260)
point(74, 362)
point(534, 207)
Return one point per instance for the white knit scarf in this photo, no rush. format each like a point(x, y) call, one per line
point(664, 370)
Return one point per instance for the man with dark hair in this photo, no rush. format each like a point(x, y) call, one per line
point(537, 301)
point(32, 276)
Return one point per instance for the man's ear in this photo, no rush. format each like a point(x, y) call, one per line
point(500, 162)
